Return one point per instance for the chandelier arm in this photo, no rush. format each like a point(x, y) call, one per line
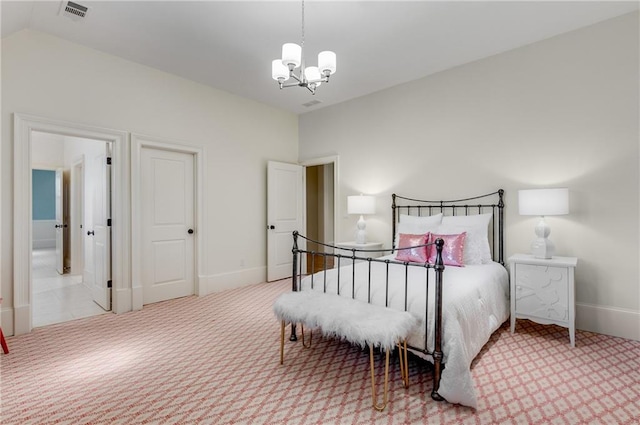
point(284, 86)
point(295, 77)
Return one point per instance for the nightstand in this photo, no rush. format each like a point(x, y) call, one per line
point(543, 290)
point(348, 246)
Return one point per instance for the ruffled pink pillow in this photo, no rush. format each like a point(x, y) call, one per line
point(452, 251)
point(414, 255)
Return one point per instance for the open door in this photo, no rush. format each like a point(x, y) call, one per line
point(101, 232)
point(60, 245)
point(285, 205)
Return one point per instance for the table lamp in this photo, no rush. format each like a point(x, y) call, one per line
point(361, 204)
point(543, 202)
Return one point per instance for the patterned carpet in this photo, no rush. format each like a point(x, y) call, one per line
point(215, 360)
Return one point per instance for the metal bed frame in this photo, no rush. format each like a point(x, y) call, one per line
point(409, 206)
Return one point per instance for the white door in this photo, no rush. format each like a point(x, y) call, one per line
point(101, 233)
point(59, 221)
point(167, 212)
point(285, 213)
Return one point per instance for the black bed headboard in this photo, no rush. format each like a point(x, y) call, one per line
point(491, 202)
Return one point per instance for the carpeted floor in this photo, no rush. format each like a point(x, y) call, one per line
point(215, 360)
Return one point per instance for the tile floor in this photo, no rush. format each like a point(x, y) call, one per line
point(58, 298)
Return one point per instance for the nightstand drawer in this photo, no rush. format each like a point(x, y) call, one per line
point(542, 291)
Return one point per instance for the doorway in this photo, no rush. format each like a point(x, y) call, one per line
point(23, 128)
point(62, 264)
point(168, 226)
point(320, 207)
point(295, 204)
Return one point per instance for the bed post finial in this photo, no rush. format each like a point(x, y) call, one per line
point(393, 221)
point(501, 226)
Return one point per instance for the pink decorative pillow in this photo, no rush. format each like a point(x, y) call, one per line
point(452, 251)
point(414, 255)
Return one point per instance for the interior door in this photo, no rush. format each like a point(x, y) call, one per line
point(60, 221)
point(101, 233)
point(285, 206)
point(168, 234)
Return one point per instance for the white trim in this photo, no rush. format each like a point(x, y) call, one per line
point(608, 320)
point(232, 280)
point(335, 160)
point(138, 142)
point(76, 206)
point(24, 125)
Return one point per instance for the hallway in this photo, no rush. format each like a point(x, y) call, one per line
point(58, 298)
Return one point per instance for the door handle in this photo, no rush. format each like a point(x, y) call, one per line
point(91, 233)
point(58, 226)
point(271, 227)
point(190, 231)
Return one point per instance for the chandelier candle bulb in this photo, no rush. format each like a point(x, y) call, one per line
point(327, 62)
point(313, 75)
point(279, 71)
point(291, 55)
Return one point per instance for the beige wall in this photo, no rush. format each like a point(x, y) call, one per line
point(560, 112)
point(49, 77)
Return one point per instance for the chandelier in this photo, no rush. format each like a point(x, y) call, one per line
point(283, 70)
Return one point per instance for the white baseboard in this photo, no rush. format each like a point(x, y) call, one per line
point(122, 300)
point(22, 320)
point(608, 320)
point(223, 281)
point(6, 321)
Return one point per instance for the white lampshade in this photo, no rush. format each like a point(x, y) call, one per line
point(279, 71)
point(327, 62)
point(543, 202)
point(291, 54)
point(312, 75)
point(361, 204)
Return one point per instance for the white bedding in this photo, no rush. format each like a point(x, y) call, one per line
point(475, 304)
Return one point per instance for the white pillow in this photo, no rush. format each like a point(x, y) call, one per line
point(476, 245)
point(414, 225)
point(427, 221)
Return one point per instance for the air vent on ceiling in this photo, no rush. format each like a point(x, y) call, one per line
point(311, 103)
point(73, 10)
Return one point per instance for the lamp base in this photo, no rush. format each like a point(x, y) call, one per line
point(542, 247)
point(361, 233)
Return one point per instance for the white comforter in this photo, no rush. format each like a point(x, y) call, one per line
point(475, 304)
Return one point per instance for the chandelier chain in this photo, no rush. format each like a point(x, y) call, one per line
point(302, 44)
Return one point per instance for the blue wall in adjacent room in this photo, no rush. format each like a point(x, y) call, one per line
point(44, 194)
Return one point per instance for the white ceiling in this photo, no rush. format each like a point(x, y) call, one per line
point(230, 44)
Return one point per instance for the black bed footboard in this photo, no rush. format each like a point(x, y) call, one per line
point(382, 281)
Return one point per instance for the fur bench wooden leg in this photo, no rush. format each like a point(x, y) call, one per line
point(374, 398)
point(402, 354)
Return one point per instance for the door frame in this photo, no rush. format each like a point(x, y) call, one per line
point(335, 160)
point(77, 216)
point(23, 126)
point(138, 142)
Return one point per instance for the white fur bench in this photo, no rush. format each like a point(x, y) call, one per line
point(355, 321)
